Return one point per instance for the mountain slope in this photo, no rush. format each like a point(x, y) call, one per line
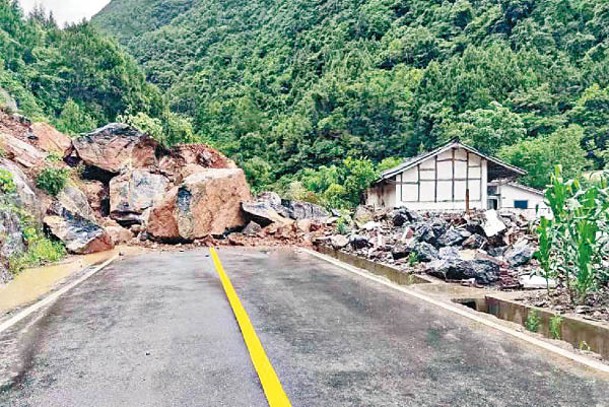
point(75, 77)
point(283, 86)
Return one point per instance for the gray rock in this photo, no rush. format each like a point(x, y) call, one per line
point(305, 210)
point(359, 242)
point(519, 254)
point(453, 237)
point(11, 234)
point(75, 201)
point(449, 252)
point(79, 234)
point(483, 271)
point(474, 242)
point(25, 195)
point(339, 242)
point(133, 192)
point(401, 250)
point(263, 213)
point(252, 229)
point(426, 252)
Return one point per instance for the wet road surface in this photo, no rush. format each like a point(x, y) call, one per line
point(157, 330)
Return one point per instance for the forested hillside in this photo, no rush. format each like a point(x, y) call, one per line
point(74, 78)
point(289, 85)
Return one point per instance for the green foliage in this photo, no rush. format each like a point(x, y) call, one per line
point(556, 327)
point(540, 155)
point(574, 242)
point(73, 77)
point(310, 83)
point(7, 185)
point(533, 321)
point(151, 126)
point(413, 259)
point(40, 250)
point(340, 186)
point(52, 180)
point(73, 120)
point(344, 222)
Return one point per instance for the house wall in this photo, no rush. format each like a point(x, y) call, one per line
point(510, 193)
point(438, 183)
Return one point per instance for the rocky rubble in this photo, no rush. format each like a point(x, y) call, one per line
point(479, 248)
point(126, 188)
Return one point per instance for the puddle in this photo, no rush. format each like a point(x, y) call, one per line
point(35, 282)
point(391, 273)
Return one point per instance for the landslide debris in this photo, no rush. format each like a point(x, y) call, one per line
point(477, 248)
point(124, 187)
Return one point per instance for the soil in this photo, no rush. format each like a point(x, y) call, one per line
point(595, 308)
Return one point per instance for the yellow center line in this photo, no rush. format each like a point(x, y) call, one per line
point(268, 378)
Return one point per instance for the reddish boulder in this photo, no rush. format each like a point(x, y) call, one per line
point(49, 139)
point(116, 146)
point(207, 203)
point(21, 152)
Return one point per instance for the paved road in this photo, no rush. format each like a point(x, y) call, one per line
point(156, 330)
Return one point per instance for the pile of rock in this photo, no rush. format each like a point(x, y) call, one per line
point(480, 248)
point(125, 187)
point(272, 220)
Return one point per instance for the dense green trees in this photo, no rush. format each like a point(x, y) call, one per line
point(286, 86)
point(74, 77)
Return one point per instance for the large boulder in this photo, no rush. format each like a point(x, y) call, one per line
point(11, 234)
point(298, 210)
point(263, 212)
point(117, 146)
point(483, 271)
point(24, 195)
point(47, 138)
point(206, 203)
point(133, 192)
point(80, 235)
point(75, 201)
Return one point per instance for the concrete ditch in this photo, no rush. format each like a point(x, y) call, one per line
point(581, 334)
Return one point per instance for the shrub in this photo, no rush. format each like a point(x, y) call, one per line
point(533, 321)
point(40, 251)
point(7, 185)
point(52, 180)
point(555, 327)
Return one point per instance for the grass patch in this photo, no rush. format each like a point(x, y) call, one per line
point(41, 250)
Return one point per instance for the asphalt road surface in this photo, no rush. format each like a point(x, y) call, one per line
point(157, 330)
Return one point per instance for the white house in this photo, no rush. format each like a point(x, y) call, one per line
point(454, 177)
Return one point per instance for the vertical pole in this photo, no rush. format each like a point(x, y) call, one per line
point(436, 179)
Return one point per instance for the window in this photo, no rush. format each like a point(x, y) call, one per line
point(521, 204)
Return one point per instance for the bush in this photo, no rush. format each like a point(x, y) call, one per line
point(40, 251)
point(7, 185)
point(533, 321)
point(52, 180)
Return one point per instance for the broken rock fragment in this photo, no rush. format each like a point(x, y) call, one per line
point(133, 192)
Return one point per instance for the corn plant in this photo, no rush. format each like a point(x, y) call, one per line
point(573, 243)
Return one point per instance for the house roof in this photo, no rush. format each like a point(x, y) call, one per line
point(524, 187)
point(413, 161)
